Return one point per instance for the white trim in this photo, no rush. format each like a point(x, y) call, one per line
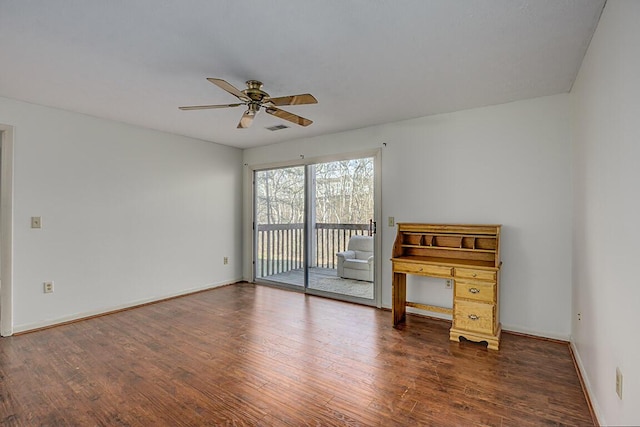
point(585, 379)
point(303, 161)
point(93, 313)
point(505, 327)
point(6, 230)
point(551, 335)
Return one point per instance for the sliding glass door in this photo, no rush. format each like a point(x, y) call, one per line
point(314, 228)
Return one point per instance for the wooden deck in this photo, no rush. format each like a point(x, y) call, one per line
point(325, 279)
point(260, 356)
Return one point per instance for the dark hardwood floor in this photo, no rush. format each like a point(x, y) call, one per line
point(254, 355)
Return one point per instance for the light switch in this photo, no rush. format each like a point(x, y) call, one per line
point(392, 221)
point(36, 222)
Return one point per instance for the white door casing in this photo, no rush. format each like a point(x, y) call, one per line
point(6, 230)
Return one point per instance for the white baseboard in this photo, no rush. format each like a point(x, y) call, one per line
point(585, 379)
point(78, 316)
point(525, 331)
point(505, 327)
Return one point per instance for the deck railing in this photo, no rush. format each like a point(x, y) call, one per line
point(281, 246)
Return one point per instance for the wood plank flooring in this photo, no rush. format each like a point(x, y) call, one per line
point(259, 356)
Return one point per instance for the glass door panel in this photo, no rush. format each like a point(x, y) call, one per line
point(341, 253)
point(280, 226)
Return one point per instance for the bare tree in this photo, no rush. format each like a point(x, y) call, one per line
point(343, 196)
point(343, 193)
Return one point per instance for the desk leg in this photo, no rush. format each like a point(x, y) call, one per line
point(399, 296)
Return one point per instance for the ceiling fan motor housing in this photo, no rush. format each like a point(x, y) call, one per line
point(254, 91)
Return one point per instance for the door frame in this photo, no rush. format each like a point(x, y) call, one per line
point(6, 230)
point(376, 154)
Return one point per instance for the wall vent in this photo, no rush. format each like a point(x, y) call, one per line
point(277, 127)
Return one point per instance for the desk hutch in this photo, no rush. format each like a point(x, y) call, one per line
point(467, 254)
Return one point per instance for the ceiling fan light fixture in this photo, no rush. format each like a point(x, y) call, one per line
point(253, 108)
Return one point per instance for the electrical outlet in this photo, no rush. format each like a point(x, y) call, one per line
point(225, 261)
point(48, 287)
point(619, 383)
point(392, 221)
point(579, 316)
point(36, 222)
point(448, 283)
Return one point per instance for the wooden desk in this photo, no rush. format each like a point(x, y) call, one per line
point(470, 256)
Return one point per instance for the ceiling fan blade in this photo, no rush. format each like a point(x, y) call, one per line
point(207, 107)
point(229, 88)
point(288, 116)
point(247, 119)
point(304, 98)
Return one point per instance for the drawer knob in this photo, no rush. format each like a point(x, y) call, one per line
point(474, 290)
point(473, 317)
point(474, 274)
point(420, 269)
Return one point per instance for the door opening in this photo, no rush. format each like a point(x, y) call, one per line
point(314, 228)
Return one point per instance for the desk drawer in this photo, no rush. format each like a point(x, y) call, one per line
point(423, 269)
point(467, 273)
point(477, 291)
point(474, 316)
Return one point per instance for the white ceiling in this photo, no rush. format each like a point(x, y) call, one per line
point(366, 61)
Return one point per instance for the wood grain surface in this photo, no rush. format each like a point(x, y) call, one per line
point(259, 356)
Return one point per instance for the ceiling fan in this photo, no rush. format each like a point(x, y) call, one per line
point(255, 98)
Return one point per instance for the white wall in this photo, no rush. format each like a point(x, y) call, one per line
point(606, 289)
point(129, 214)
point(507, 164)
